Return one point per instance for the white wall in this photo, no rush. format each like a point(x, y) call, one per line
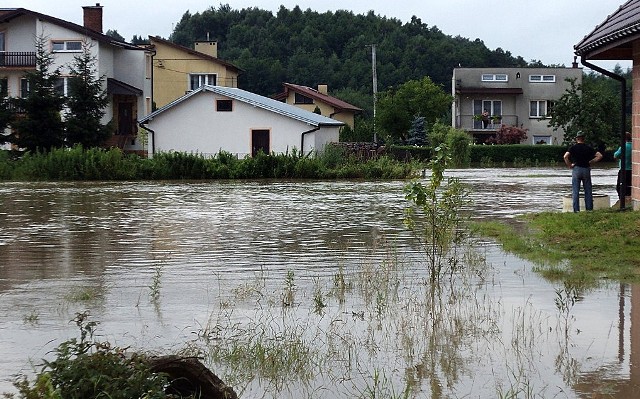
point(194, 126)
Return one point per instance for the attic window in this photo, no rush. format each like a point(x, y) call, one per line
point(494, 77)
point(301, 99)
point(66, 45)
point(224, 105)
point(542, 78)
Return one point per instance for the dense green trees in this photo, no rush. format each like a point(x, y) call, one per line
point(309, 48)
point(397, 108)
point(592, 107)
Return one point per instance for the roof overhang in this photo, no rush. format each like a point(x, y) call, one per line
point(115, 86)
point(613, 38)
point(489, 90)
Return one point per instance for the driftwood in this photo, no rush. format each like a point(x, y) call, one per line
point(188, 377)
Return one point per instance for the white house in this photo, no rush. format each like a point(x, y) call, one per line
point(125, 67)
point(214, 118)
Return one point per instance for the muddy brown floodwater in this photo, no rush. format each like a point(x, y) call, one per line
point(308, 289)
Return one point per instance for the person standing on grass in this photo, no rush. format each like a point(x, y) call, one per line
point(625, 170)
point(579, 158)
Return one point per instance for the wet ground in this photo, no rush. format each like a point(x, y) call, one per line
point(163, 264)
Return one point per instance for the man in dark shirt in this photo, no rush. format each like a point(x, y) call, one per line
point(579, 158)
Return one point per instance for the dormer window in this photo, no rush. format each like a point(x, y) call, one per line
point(302, 99)
point(66, 45)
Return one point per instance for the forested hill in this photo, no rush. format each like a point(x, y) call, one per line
point(334, 48)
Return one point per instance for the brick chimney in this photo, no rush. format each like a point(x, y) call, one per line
point(93, 17)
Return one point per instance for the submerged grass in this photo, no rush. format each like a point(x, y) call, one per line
point(585, 246)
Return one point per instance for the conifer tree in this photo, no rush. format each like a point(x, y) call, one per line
point(86, 102)
point(41, 126)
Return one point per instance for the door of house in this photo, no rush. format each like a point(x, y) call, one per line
point(125, 119)
point(260, 141)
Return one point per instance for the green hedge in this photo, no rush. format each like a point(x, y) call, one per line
point(517, 154)
point(78, 163)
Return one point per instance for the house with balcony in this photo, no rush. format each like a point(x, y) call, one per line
point(318, 100)
point(487, 98)
point(126, 68)
point(178, 70)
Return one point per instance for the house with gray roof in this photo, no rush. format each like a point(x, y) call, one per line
point(211, 119)
point(618, 38)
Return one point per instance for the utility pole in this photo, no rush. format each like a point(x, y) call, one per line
point(375, 89)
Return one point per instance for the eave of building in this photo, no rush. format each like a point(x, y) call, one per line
point(611, 40)
point(7, 15)
point(489, 90)
point(316, 95)
point(195, 53)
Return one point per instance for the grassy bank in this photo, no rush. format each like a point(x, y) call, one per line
point(588, 246)
point(98, 164)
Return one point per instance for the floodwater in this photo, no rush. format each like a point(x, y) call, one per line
point(322, 272)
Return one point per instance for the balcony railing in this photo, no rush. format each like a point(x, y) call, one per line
point(468, 123)
point(12, 59)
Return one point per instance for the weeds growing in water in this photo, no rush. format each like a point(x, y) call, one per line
point(318, 298)
point(288, 296)
point(83, 294)
point(32, 317)
point(435, 213)
point(156, 284)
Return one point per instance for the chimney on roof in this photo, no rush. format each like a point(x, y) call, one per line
point(93, 17)
point(323, 89)
point(208, 47)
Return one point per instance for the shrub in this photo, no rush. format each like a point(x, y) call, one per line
point(86, 368)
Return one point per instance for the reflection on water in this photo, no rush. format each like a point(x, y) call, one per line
point(230, 245)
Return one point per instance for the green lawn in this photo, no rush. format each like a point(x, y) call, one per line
point(603, 244)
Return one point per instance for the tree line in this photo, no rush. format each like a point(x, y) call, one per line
point(334, 48)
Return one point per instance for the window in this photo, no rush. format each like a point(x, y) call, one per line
point(66, 45)
point(224, 105)
point(301, 99)
point(24, 87)
point(540, 108)
point(62, 86)
point(199, 79)
point(494, 111)
point(542, 78)
point(542, 139)
point(495, 77)
point(1, 41)
point(4, 87)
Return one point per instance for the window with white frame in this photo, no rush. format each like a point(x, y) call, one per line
point(199, 79)
point(540, 108)
point(542, 78)
point(495, 77)
point(66, 45)
point(1, 41)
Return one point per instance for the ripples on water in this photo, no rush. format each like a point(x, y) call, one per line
point(211, 238)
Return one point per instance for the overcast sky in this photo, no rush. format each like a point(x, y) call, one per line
point(543, 30)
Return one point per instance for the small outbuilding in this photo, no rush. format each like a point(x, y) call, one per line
point(211, 119)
